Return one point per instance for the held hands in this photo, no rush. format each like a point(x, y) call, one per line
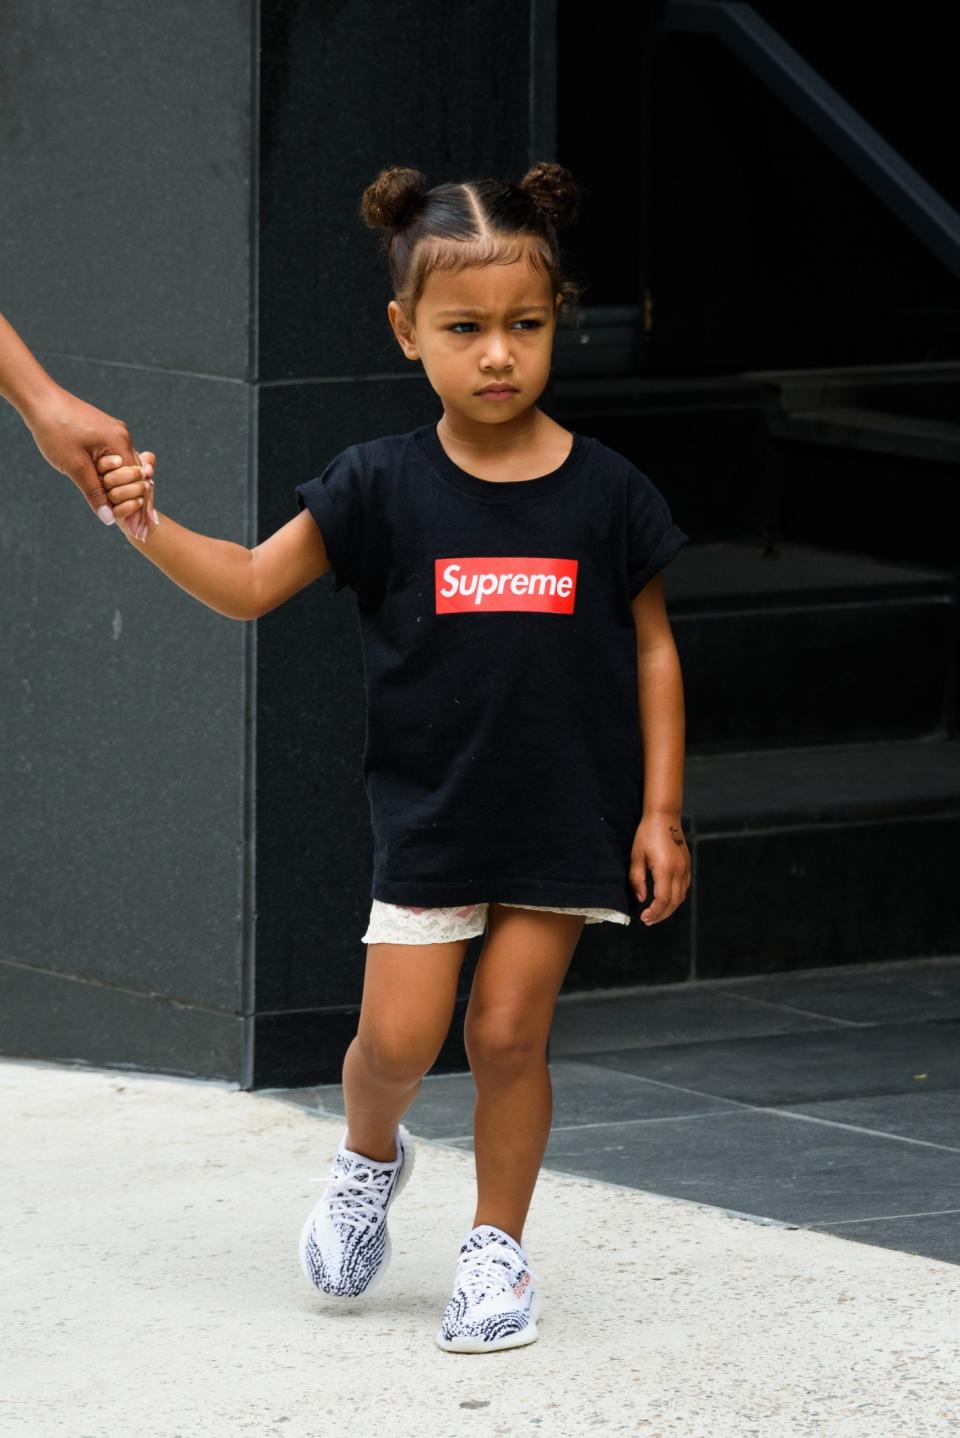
point(130, 491)
point(73, 436)
point(659, 846)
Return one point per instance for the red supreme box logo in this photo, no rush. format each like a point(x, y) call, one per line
point(465, 586)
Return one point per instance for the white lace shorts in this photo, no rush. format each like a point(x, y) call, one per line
point(399, 924)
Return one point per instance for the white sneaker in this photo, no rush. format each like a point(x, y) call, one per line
point(495, 1301)
point(344, 1244)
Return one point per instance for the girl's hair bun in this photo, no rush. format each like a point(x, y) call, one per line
point(394, 198)
point(554, 190)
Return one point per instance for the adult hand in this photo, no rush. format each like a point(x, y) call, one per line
point(72, 435)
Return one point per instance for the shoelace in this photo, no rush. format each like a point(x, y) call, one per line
point(357, 1201)
point(483, 1270)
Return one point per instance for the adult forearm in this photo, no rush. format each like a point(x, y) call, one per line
point(216, 571)
point(23, 380)
point(662, 729)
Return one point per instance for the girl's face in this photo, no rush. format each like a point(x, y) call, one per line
point(481, 326)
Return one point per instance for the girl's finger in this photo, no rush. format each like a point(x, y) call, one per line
point(128, 508)
point(127, 474)
point(126, 492)
point(145, 461)
point(112, 464)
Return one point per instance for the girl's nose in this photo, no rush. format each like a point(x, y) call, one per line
point(497, 356)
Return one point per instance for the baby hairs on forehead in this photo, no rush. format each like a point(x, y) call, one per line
point(471, 224)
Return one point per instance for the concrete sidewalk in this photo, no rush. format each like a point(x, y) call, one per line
point(151, 1287)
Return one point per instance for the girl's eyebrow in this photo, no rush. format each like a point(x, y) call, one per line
point(464, 311)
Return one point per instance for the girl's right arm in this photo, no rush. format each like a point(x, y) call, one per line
point(237, 582)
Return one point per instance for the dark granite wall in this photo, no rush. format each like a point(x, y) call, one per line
point(186, 845)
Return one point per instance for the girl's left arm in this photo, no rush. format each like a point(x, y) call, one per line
point(659, 844)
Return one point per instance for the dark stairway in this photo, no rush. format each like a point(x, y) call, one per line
point(822, 781)
point(823, 797)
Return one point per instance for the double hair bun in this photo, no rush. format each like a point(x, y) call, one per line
point(397, 194)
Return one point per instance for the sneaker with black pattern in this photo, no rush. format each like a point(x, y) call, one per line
point(344, 1243)
point(495, 1302)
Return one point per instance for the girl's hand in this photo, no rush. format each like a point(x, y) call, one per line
point(659, 846)
point(129, 489)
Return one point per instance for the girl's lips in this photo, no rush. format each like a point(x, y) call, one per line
point(496, 393)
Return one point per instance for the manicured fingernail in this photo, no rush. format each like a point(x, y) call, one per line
point(155, 516)
point(106, 514)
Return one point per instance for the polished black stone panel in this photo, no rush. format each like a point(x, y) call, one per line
point(307, 1046)
point(124, 837)
point(443, 90)
point(125, 171)
point(67, 1019)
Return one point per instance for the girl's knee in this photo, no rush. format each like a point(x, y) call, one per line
point(393, 1056)
point(503, 1045)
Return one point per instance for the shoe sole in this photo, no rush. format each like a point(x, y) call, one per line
point(409, 1155)
point(469, 1344)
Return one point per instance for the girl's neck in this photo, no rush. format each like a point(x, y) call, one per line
point(505, 452)
point(493, 444)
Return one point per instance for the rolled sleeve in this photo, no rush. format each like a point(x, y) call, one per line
point(334, 500)
point(653, 539)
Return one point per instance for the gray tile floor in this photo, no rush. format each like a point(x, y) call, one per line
point(827, 1099)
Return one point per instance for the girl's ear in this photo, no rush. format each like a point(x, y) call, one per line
point(405, 337)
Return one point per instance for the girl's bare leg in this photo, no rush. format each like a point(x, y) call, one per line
point(409, 996)
point(519, 974)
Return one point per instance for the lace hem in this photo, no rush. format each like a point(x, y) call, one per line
point(400, 924)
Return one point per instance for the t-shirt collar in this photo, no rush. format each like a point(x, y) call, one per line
point(498, 491)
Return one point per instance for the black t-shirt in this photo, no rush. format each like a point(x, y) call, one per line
point(503, 759)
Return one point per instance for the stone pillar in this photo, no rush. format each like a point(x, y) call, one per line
point(186, 848)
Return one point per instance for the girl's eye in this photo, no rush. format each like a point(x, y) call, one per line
point(455, 328)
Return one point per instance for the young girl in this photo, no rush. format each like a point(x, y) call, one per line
point(524, 755)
